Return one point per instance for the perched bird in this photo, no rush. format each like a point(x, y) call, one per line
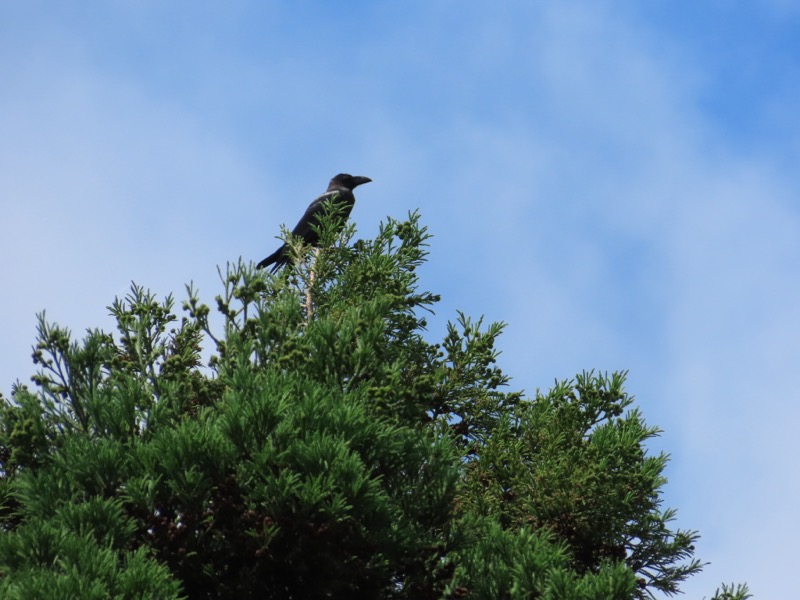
point(340, 190)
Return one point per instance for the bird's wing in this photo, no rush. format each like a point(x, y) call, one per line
point(316, 209)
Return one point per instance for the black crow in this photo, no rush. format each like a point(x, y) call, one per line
point(340, 190)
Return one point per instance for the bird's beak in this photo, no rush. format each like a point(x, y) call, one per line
point(358, 180)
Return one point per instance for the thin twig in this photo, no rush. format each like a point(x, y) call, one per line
point(312, 276)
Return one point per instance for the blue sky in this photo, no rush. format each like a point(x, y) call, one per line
point(618, 181)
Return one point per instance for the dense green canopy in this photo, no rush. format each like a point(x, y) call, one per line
point(341, 455)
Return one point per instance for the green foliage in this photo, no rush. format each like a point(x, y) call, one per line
point(574, 462)
point(732, 592)
point(522, 563)
point(328, 451)
point(72, 554)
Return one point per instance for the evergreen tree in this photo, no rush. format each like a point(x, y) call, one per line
point(330, 451)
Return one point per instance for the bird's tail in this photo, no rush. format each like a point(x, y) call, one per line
point(277, 259)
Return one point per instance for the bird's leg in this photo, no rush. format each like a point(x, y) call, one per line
point(312, 276)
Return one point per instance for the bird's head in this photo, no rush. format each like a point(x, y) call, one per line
point(345, 181)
